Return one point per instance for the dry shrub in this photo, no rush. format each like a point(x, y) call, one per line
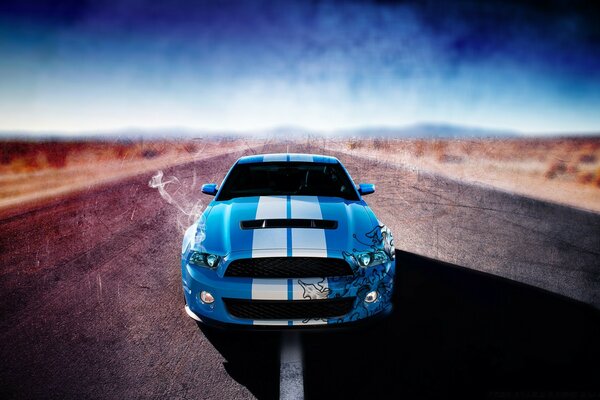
point(28, 163)
point(572, 169)
point(439, 148)
point(354, 144)
point(381, 144)
point(585, 177)
point(192, 148)
point(466, 147)
point(56, 154)
point(587, 158)
point(555, 169)
point(12, 151)
point(122, 150)
point(449, 158)
point(420, 146)
point(152, 150)
point(150, 153)
point(23, 156)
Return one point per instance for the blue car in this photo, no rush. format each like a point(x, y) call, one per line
point(287, 241)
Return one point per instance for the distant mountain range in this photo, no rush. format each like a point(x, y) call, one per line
point(424, 130)
point(429, 131)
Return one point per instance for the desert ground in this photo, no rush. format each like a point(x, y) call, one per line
point(561, 170)
point(33, 172)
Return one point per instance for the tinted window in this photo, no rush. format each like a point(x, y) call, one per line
point(287, 178)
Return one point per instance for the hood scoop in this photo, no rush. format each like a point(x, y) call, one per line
point(289, 223)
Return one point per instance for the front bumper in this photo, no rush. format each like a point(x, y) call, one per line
point(360, 323)
point(379, 278)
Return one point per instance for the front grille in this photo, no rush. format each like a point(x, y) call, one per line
point(288, 267)
point(290, 309)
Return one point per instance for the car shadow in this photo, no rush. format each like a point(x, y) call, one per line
point(460, 333)
point(251, 358)
point(454, 332)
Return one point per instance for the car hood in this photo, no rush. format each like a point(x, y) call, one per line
point(328, 225)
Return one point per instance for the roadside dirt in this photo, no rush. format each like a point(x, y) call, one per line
point(31, 176)
point(564, 171)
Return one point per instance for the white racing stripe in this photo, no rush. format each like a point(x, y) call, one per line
point(269, 289)
point(270, 242)
point(274, 157)
point(301, 157)
point(307, 242)
point(295, 322)
point(270, 322)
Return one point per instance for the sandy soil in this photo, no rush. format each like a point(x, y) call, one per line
point(31, 180)
point(564, 171)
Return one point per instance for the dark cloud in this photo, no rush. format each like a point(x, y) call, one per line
point(548, 51)
point(564, 33)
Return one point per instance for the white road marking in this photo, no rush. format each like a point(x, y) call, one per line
point(291, 383)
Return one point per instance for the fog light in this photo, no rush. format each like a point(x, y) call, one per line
point(206, 297)
point(371, 297)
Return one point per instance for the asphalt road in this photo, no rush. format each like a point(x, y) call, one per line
point(546, 245)
point(91, 302)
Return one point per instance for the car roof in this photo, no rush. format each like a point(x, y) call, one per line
point(288, 157)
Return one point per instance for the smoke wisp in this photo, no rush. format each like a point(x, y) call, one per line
point(174, 193)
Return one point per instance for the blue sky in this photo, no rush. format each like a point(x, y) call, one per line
point(76, 66)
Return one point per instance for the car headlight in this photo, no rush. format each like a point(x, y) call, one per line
point(371, 258)
point(203, 259)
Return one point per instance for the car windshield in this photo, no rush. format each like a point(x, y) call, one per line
point(287, 178)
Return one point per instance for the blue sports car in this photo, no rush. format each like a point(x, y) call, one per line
point(287, 241)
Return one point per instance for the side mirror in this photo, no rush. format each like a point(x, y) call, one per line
point(366, 188)
point(209, 189)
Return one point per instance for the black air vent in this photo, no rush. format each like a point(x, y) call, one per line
point(290, 309)
point(289, 223)
point(288, 267)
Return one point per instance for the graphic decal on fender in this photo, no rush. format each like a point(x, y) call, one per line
point(314, 291)
point(377, 278)
point(378, 237)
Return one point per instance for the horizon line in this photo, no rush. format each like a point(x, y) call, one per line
point(180, 131)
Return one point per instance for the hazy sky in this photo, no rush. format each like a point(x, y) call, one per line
point(95, 65)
